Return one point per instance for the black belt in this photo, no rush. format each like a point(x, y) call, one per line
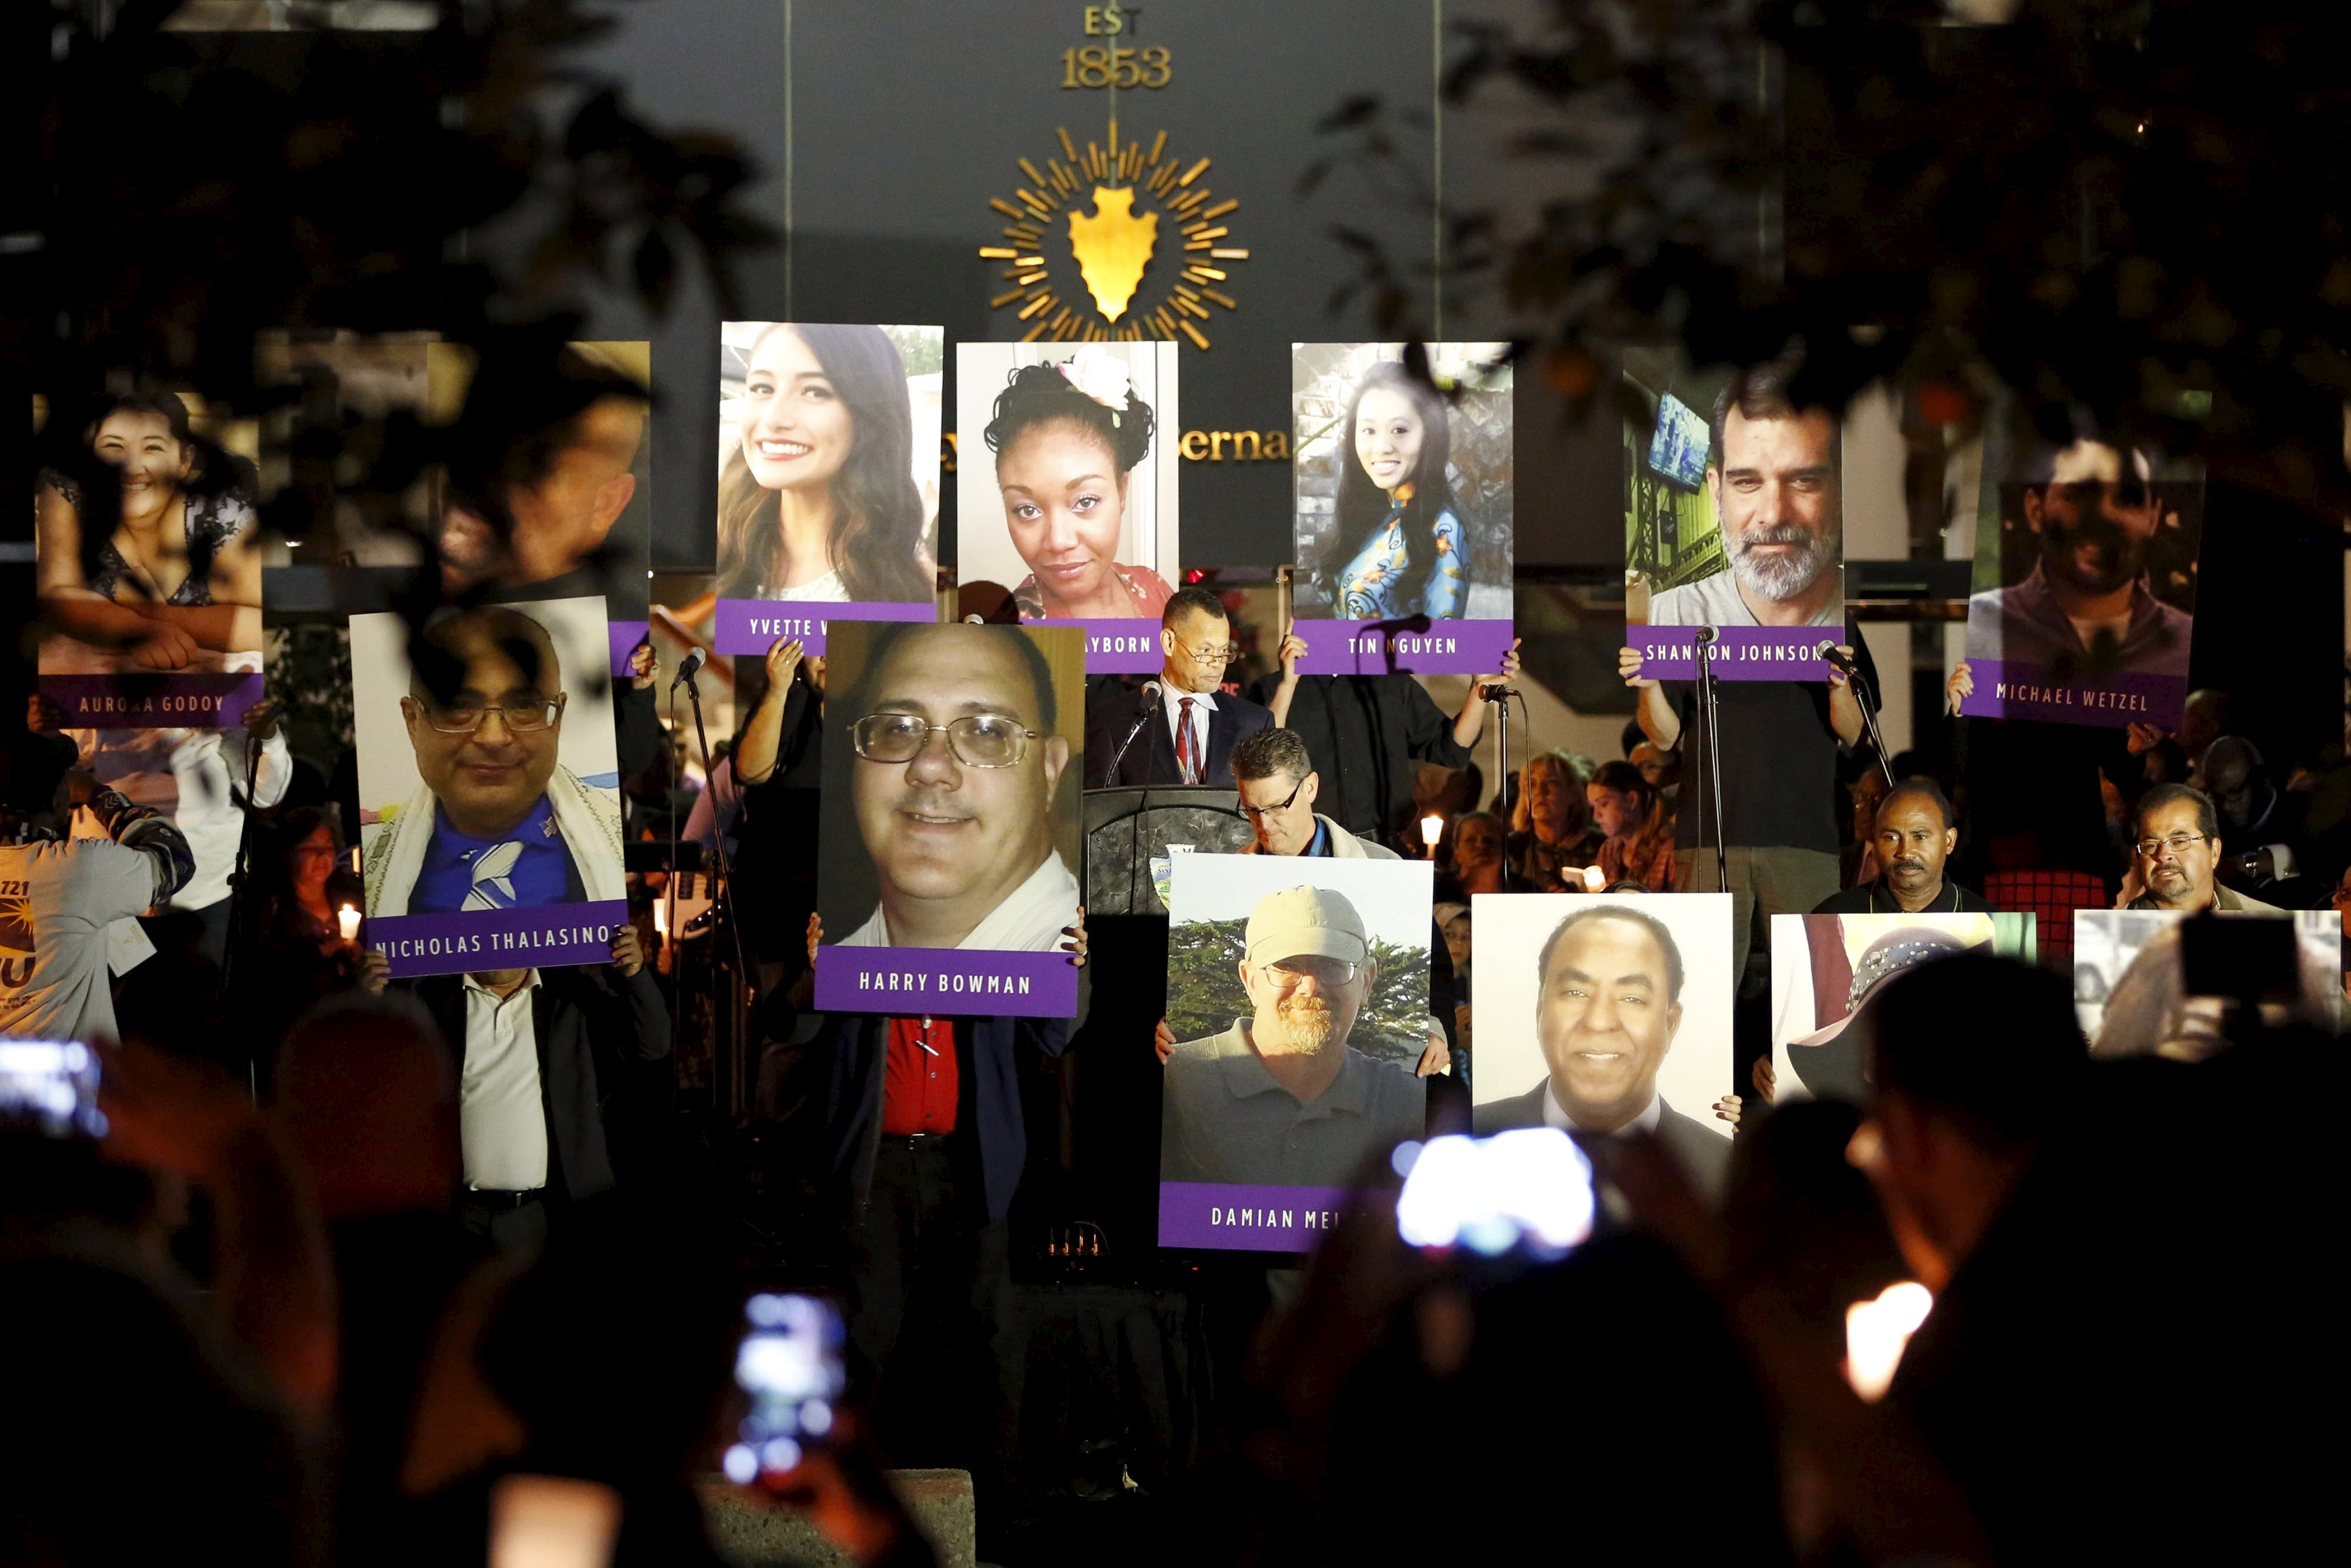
point(502, 1198)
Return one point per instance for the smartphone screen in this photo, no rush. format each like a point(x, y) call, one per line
point(53, 1084)
point(1525, 1193)
point(789, 1369)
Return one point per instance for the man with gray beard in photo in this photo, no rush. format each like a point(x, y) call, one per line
point(1281, 1098)
point(1774, 470)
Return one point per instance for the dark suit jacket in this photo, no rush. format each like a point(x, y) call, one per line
point(988, 1124)
point(579, 1014)
point(1112, 704)
point(1704, 1156)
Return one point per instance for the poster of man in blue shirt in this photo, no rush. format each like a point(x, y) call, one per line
point(508, 798)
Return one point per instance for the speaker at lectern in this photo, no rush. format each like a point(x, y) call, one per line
point(1127, 828)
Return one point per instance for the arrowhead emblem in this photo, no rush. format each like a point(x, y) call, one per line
point(1113, 248)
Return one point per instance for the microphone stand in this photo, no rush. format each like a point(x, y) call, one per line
point(236, 885)
point(1861, 694)
point(723, 890)
point(1110, 775)
point(1710, 711)
point(1501, 703)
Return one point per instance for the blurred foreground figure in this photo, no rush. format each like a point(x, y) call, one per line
point(2098, 1237)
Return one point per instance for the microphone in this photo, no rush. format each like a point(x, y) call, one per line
point(1149, 695)
point(686, 667)
point(1494, 691)
point(1825, 650)
point(1706, 636)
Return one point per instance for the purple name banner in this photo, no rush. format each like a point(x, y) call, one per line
point(2114, 700)
point(1378, 647)
point(752, 626)
point(189, 700)
point(1740, 652)
point(1128, 645)
point(1247, 1218)
point(540, 938)
point(946, 980)
point(625, 636)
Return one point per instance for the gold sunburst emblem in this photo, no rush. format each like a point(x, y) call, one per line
point(1109, 208)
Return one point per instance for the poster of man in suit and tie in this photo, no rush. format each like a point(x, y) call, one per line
point(1607, 1017)
point(489, 792)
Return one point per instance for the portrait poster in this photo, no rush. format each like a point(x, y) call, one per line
point(1066, 490)
point(2085, 572)
point(1824, 967)
point(148, 561)
point(950, 819)
point(539, 479)
point(1403, 488)
point(2129, 988)
point(1731, 522)
point(489, 792)
point(1242, 1167)
point(1599, 1014)
point(827, 478)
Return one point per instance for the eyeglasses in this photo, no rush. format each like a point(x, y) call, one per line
point(1260, 812)
point(466, 717)
point(978, 740)
point(2179, 844)
point(1328, 973)
point(1218, 656)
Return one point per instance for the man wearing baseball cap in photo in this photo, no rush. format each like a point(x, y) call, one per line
point(1280, 1097)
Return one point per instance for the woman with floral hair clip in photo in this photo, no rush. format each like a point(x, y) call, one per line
point(1066, 437)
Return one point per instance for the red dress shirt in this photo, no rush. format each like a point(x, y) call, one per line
point(918, 1087)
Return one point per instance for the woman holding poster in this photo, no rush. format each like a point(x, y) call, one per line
point(817, 498)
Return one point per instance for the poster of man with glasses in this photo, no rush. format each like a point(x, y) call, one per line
point(1298, 997)
point(489, 793)
point(947, 872)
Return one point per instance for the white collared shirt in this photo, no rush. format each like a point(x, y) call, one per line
point(501, 1116)
point(1555, 1115)
point(1029, 919)
point(1203, 704)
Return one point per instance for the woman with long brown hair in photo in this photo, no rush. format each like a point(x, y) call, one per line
point(817, 498)
point(175, 579)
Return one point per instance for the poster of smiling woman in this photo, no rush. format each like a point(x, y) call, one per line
point(149, 564)
point(1403, 478)
point(1068, 493)
point(489, 793)
point(827, 478)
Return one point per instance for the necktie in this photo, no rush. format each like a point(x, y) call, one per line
point(492, 876)
point(1187, 750)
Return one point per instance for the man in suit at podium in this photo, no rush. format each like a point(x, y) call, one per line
point(1187, 732)
point(1606, 1012)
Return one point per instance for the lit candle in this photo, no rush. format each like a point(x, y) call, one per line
point(1432, 829)
point(1595, 880)
point(347, 918)
point(1876, 1333)
point(661, 915)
